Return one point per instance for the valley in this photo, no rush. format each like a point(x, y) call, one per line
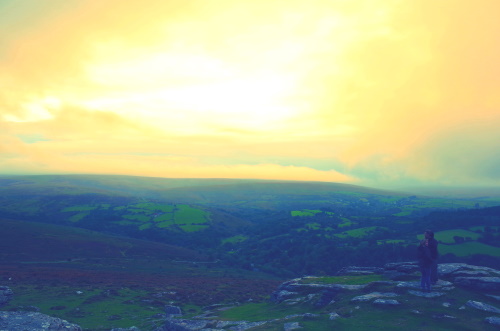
point(133, 245)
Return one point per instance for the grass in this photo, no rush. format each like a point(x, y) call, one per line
point(254, 312)
point(235, 239)
point(78, 217)
point(447, 235)
point(345, 222)
point(91, 307)
point(392, 241)
point(79, 208)
point(469, 248)
point(482, 228)
point(358, 233)
point(305, 212)
point(345, 280)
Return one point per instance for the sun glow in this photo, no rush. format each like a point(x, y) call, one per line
point(197, 89)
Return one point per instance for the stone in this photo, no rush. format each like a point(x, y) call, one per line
point(373, 295)
point(291, 326)
point(325, 299)
point(319, 287)
point(496, 297)
point(280, 296)
point(5, 295)
point(446, 269)
point(309, 316)
point(471, 273)
point(183, 325)
point(333, 316)
point(383, 302)
point(173, 310)
point(443, 316)
point(483, 306)
point(360, 271)
point(426, 294)
point(395, 275)
point(408, 285)
point(247, 325)
point(400, 266)
point(493, 320)
point(479, 283)
point(20, 320)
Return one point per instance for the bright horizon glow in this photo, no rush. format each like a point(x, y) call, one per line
point(378, 93)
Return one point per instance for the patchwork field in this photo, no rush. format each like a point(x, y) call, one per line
point(145, 215)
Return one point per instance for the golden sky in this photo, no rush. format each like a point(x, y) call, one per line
point(370, 92)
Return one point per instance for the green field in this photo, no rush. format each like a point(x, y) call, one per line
point(358, 233)
point(305, 212)
point(482, 227)
point(345, 223)
point(469, 248)
point(145, 215)
point(447, 235)
point(235, 239)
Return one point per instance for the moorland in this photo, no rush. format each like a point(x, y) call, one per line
point(108, 251)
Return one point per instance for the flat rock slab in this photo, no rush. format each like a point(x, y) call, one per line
point(383, 302)
point(5, 295)
point(496, 297)
point(448, 268)
point(479, 283)
point(408, 285)
point(493, 320)
point(426, 294)
point(33, 321)
point(291, 326)
point(483, 306)
point(374, 295)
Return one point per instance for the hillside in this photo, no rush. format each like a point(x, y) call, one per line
point(109, 251)
point(102, 281)
point(280, 227)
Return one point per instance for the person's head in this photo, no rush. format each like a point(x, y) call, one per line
point(428, 234)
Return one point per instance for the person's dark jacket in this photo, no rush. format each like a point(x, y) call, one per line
point(424, 255)
point(433, 247)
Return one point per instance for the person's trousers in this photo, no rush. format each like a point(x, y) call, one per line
point(434, 272)
point(425, 280)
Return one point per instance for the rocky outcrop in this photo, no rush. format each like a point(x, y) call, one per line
point(360, 270)
point(5, 295)
point(483, 306)
point(493, 320)
point(426, 294)
point(479, 283)
point(33, 321)
point(374, 295)
point(30, 320)
point(292, 326)
point(280, 295)
point(383, 302)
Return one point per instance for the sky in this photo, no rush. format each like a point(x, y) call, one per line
point(381, 93)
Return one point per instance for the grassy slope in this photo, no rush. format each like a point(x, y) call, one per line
point(100, 281)
point(29, 241)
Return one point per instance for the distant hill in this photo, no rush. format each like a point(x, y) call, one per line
point(282, 227)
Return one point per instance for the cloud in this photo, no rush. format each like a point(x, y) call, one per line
point(381, 90)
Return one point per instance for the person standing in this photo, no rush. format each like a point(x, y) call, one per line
point(433, 247)
point(425, 262)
